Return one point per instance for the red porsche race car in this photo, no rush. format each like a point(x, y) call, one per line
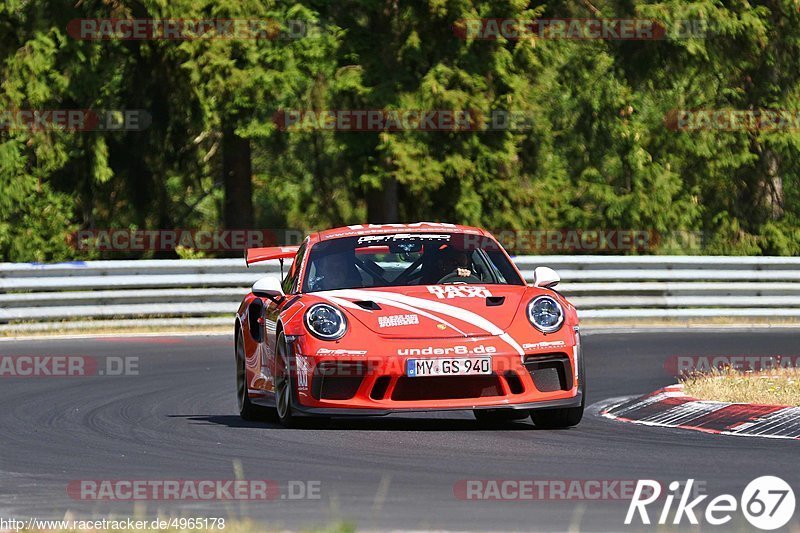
point(380, 319)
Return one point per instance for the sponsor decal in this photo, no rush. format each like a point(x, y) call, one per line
point(383, 229)
point(303, 370)
point(543, 345)
point(371, 239)
point(768, 503)
point(450, 350)
point(458, 291)
point(403, 226)
point(397, 320)
point(340, 351)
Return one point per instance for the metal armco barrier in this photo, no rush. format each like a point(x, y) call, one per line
point(209, 290)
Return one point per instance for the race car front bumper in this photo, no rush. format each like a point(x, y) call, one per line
point(345, 385)
point(575, 401)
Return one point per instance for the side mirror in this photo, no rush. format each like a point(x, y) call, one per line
point(268, 287)
point(545, 277)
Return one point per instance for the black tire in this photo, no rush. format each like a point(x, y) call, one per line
point(284, 393)
point(498, 416)
point(247, 410)
point(557, 418)
point(283, 385)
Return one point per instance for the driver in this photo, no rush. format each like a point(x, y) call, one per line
point(337, 271)
point(452, 261)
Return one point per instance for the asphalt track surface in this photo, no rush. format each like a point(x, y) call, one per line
point(176, 420)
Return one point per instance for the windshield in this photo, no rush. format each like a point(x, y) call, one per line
point(403, 259)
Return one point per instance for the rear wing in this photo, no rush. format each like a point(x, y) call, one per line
point(257, 255)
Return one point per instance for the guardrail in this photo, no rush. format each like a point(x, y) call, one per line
point(210, 289)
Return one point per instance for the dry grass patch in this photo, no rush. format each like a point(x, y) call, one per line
point(780, 386)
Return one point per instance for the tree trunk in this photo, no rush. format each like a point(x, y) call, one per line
point(773, 184)
point(382, 203)
point(237, 175)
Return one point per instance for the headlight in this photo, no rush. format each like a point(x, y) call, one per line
point(545, 314)
point(326, 322)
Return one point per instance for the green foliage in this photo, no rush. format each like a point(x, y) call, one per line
point(596, 151)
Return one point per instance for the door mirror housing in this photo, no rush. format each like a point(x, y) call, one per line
point(269, 287)
point(545, 277)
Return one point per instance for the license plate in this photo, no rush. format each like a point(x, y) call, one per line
point(448, 367)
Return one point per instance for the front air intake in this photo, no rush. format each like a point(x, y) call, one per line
point(335, 380)
point(446, 388)
point(550, 372)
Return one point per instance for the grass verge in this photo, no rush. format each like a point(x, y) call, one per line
point(780, 386)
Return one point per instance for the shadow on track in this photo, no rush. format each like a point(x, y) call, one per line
point(367, 423)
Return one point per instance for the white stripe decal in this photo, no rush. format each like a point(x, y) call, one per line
point(438, 307)
point(346, 303)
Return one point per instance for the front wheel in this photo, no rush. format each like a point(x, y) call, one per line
point(283, 384)
point(563, 417)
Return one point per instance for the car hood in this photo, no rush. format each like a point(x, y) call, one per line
point(435, 311)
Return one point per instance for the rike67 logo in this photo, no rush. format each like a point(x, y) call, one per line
point(767, 502)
